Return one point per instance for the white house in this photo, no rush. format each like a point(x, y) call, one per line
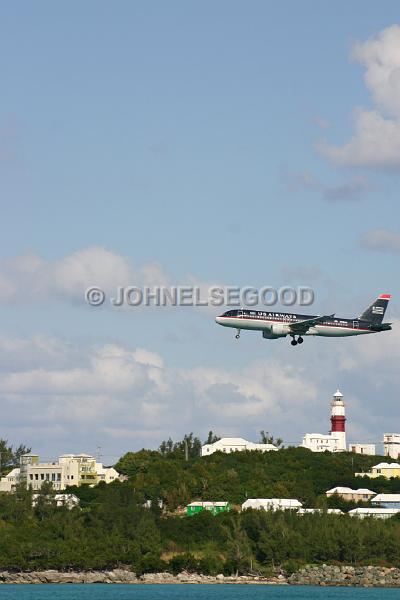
point(238, 444)
point(386, 500)
point(361, 494)
point(271, 504)
point(377, 513)
point(68, 500)
point(8, 483)
point(391, 445)
point(107, 474)
point(367, 449)
point(312, 511)
point(318, 442)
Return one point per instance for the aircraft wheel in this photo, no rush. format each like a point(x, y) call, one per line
point(300, 340)
point(237, 336)
point(294, 343)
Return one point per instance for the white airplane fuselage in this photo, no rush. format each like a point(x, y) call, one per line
point(275, 324)
point(335, 328)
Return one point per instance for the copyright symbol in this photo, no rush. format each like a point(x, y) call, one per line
point(95, 296)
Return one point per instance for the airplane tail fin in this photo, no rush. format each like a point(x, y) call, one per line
point(374, 314)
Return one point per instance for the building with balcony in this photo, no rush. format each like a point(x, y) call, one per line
point(69, 470)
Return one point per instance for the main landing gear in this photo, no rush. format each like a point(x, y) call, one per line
point(237, 336)
point(299, 340)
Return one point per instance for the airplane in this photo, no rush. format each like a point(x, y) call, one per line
point(278, 324)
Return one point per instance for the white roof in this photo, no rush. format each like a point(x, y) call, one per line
point(238, 441)
point(232, 441)
point(330, 511)
point(326, 436)
point(374, 511)
point(346, 490)
point(386, 498)
point(261, 502)
point(207, 503)
point(13, 473)
point(338, 394)
point(384, 465)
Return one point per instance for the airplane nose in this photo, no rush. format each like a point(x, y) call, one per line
point(218, 320)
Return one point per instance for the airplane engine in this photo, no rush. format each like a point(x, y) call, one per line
point(278, 330)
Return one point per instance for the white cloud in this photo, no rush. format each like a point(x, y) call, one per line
point(375, 143)
point(376, 139)
point(381, 57)
point(381, 240)
point(31, 277)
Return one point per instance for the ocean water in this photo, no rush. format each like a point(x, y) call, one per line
point(190, 592)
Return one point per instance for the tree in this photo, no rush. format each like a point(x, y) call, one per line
point(190, 446)
point(266, 438)
point(9, 457)
point(212, 438)
point(238, 548)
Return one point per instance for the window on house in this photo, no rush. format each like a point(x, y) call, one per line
point(53, 476)
point(36, 476)
point(31, 477)
point(42, 476)
point(47, 476)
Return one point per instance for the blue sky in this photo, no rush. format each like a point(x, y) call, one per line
point(218, 141)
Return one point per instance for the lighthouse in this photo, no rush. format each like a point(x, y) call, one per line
point(338, 420)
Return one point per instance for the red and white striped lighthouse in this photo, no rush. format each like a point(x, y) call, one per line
point(338, 420)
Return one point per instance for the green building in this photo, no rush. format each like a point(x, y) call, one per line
point(214, 507)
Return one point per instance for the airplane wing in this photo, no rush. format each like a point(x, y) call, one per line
point(301, 327)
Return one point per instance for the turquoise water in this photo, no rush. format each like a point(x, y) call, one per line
point(189, 592)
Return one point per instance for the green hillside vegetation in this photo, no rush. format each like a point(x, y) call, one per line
point(112, 528)
point(289, 473)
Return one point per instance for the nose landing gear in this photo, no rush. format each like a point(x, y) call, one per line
point(237, 336)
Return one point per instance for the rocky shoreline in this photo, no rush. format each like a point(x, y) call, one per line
point(126, 576)
point(322, 575)
point(325, 575)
